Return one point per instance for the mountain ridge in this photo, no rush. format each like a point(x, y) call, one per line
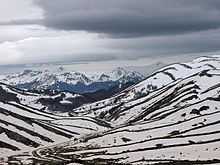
point(71, 81)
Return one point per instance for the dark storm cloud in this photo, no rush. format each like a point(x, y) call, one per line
point(132, 18)
point(126, 30)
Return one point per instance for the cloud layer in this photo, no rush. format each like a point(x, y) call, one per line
point(33, 31)
point(86, 47)
point(129, 18)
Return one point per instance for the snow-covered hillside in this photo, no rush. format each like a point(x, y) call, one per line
point(24, 125)
point(171, 117)
point(70, 81)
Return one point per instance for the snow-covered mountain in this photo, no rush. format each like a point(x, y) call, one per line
point(71, 81)
point(171, 117)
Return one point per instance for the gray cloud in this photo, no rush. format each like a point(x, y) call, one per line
point(77, 47)
point(117, 30)
point(129, 18)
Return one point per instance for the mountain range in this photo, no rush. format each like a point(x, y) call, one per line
point(77, 82)
point(170, 117)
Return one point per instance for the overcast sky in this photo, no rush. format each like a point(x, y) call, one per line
point(35, 31)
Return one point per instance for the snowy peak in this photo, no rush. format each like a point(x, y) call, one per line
point(121, 75)
point(71, 81)
point(104, 77)
point(118, 73)
point(73, 78)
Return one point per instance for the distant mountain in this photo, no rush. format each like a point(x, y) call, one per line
point(171, 117)
point(71, 81)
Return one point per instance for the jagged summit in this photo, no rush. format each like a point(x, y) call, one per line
point(71, 81)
